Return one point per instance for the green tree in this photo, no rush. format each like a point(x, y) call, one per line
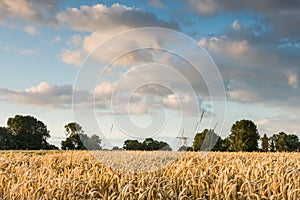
point(292, 142)
point(272, 144)
point(28, 132)
point(244, 136)
point(207, 140)
point(149, 144)
point(91, 143)
point(280, 142)
point(67, 144)
point(116, 148)
point(132, 145)
point(73, 141)
point(286, 142)
point(265, 143)
point(6, 139)
point(164, 146)
point(198, 140)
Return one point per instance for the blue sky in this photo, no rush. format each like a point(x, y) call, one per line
point(255, 46)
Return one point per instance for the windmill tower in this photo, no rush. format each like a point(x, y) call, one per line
point(182, 140)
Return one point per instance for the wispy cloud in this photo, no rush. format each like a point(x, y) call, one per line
point(29, 51)
point(31, 30)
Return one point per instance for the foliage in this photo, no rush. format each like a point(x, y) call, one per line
point(284, 142)
point(116, 148)
point(265, 143)
point(78, 140)
point(6, 141)
point(149, 144)
point(244, 136)
point(208, 140)
point(28, 133)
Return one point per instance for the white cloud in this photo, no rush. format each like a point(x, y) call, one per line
point(225, 46)
point(287, 121)
point(56, 39)
point(75, 41)
point(292, 80)
point(104, 22)
point(262, 122)
point(29, 51)
point(29, 10)
point(19, 8)
point(102, 18)
point(242, 95)
point(44, 94)
point(31, 30)
point(71, 57)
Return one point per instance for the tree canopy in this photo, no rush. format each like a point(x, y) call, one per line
point(208, 140)
point(149, 144)
point(28, 133)
point(244, 136)
point(78, 140)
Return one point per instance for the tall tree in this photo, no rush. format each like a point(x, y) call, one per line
point(280, 142)
point(28, 132)
point(73, 141)
point(272, 144)
point(91, 143)
point(244, 136)
point(198, 140)
point(207, 140)
point(292, 142)
point(265, 143)
point(286, 142)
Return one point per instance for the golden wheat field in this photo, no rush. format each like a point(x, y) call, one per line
point(78, 175)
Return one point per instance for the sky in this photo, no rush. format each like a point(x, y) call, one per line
point(99, 63)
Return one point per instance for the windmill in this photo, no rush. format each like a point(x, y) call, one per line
point(182, 140)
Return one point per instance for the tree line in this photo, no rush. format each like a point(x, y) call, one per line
point(28, 133)
point(245, 137)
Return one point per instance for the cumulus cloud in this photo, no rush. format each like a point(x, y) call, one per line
point(256, 72)
point(117, 17)
point(29, 10)
point(275, 14)
point(104, 22)
point(72, 57)
point(75, 41)
point(104, 96)
point(44, 94)
point(222, 45)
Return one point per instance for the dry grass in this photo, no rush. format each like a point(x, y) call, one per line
point(78, 175)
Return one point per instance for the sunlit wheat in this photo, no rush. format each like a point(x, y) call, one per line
point(79, 175)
